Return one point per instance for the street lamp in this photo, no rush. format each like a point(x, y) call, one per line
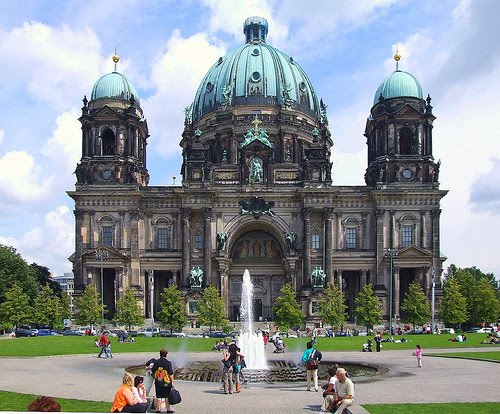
point(433, 274)
point(151, 292)
point(102, 255)
point(391, 254)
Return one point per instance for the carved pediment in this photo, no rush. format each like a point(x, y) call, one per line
point(407, 110)
point(105, 112)
point(412, 252)
point(110, 255)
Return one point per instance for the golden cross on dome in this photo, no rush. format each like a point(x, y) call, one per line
point(116, 58)
point(256, 123)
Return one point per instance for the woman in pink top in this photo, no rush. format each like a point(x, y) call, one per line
point(418, 354)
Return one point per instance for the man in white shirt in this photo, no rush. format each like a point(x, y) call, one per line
point(329, 393)
point(344, 392)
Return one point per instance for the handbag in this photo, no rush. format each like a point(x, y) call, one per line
point(174, 397)
point(227, 363)
point(312, 362)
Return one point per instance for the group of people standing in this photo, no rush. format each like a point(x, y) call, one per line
point(233, 362)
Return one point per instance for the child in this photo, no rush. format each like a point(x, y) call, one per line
point(107, 351)
point(418, 354)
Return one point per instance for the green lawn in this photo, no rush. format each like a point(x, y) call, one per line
point(67, 345)
point(483, 356)
point(445, 408)
point(12, 401)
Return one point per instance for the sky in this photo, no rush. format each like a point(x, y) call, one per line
point(52, 52)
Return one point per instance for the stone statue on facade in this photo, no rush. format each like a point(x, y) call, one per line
point(196, 277)
point(318, 277)
point(256, 170)
point(221, 240)
point(227, 97)
point(291, 238)
point(188, 114)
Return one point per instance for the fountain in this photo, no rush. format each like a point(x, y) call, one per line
point(250, 343)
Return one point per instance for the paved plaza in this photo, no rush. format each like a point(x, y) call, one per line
point(88, 378)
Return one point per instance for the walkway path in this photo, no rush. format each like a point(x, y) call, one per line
point(89, 378)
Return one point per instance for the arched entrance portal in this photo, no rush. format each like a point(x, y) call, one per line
point(260, 253)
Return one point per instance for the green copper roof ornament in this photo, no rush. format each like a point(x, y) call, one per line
point(227, 97)
point(285, 94)
point(315, 132)
point(256, 133)
point(197, 133)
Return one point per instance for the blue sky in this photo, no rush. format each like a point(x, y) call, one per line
point(52, 52)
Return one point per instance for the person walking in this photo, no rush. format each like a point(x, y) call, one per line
point(164, 380)
point(378, 340)
point(103, 343)
point(418, 354)
point(312, 357)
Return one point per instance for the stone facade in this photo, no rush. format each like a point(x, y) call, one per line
point(257, 194)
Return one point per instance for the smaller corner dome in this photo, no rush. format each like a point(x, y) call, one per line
point(399, 84)
point(113, 85)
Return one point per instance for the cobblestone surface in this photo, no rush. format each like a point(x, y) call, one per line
point(89, 378)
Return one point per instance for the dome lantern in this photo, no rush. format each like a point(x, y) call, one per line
point(255, 29)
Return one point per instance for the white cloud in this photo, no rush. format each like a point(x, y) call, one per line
point(21, 180)
point(47, 244)
point(64, 148)
point(2, 134)
point(49, 62)
point(176, 76)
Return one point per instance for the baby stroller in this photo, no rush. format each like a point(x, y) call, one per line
point(279, 346)
point(368, 346)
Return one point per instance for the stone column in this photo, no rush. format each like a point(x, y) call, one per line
point(334, 231)
point(119, 238)
point(186, 245)
point(207, 245)
point(306, 246)
point(364, 232)
point(397, 294)
point(134, 248)
point(380, 271)
point(393, 230)
point(224, 286)
point(80, 278)
point(91, 229)
point(363, 279)
point(436, 263)
point(339, 279)
point(327, 215)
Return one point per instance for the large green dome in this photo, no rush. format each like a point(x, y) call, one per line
point(113, 86)
point(255, 74)
point(399, 84)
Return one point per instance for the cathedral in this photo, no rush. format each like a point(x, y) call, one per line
point(257, 192)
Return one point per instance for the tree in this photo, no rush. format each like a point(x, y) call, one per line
point(453, 309)
point(128, 312)
point(89, 306)
point(415, 308)
point(211, 308)
point(42, 275)
point(172, 313)
point(485, 304)
point(368, 309)
point(287, 311)
point(332, 307)
point(47, 308)
point(15, 270)
point(15, 310)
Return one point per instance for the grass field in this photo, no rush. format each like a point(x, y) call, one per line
point(12, 401)
point(68, 345)
point(445, 408)
point(483, 356)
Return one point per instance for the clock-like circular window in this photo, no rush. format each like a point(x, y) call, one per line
point(106, 174)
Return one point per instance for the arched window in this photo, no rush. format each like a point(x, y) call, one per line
point(198, 240)
point(162, 228)
point(407, 230)
point(108, 142)
point(405, 141)
point(351, 233)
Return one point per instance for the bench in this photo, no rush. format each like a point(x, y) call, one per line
point(355, 409)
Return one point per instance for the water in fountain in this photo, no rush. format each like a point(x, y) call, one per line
point(251, 343)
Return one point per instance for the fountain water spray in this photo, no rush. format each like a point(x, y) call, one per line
point(251, 343)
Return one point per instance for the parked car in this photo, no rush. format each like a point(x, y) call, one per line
point(339, 333)
point(132, 333)
point(217, 334)
point(107, 332)
point(72, 332)
point(485, 330)
point(149, 332)
point(21, 332)
point(34, 332)
point(47, 332)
